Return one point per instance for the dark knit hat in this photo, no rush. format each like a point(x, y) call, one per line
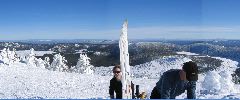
point(191, 70)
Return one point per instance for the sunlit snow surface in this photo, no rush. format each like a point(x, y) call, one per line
point(23, 53)
point(187, 53)
point(20, 80)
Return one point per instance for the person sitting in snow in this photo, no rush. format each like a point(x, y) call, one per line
point(175, 81)
point(116, 84)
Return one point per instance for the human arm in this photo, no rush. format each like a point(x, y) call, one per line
point(111, 90)
point(165, 88)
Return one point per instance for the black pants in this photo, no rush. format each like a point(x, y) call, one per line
point(155, 94)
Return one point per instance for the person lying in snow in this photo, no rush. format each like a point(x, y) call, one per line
point(175, 81)
point(116, 84)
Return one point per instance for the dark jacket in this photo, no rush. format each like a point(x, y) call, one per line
point(116, 86)
point(170, 85)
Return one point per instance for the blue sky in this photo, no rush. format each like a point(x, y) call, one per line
point(102, 19)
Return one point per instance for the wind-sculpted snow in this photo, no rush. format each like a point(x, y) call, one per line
point(219, 82)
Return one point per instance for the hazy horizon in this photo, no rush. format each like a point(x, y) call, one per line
point(147, 39)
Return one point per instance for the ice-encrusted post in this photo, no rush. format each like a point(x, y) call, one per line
point(124, 62)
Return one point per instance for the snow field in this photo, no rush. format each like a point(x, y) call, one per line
point(22, 80)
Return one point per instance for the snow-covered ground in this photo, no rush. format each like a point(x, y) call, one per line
point(19, 80)
point(23, 53)
point(187, 53)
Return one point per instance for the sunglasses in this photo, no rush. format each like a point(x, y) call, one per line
point(116, 71)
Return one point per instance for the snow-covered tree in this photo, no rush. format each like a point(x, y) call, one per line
point(214, 78)
point(8, 57)
point(47, 63)
point(83, 65)
point(227, 85)
point(218, 82)
point(16, 58)
point(40, 63)
point(59, 63)
point(31, 60)
point(3, 55)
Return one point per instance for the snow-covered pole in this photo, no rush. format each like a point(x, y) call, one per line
point(124, 62)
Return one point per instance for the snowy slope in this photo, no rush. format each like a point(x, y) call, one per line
point(150, 70)
point(218, 85)
point(21, 81)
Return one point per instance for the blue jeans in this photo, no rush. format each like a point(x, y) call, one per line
point(191, 88)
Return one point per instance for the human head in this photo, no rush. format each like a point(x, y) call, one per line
point(117, 72)
point(191, 70)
